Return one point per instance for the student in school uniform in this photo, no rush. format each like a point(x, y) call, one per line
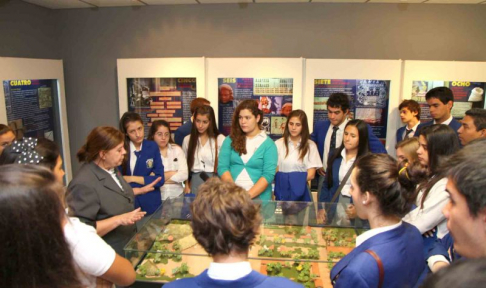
point(298, 159)
point(202, 148)
point(248, 156)
point(410, 116)
point(142, 163)
point(173, 159)
point(390, 254)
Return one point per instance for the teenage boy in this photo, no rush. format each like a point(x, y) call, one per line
point(7, 136)
point(473, 126)
point(410, 116)
point(440, 101)
point(466, 210)
point(328, 134)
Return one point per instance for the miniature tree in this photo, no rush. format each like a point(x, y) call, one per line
point(176, 246)
point(262, 240)
point(184, 269)
point(278, 267)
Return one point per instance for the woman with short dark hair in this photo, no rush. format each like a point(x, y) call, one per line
point(225, 223)
point(98, 195)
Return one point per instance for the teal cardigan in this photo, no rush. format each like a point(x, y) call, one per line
point(263, 163)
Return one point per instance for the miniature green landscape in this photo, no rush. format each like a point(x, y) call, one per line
point(302, 254)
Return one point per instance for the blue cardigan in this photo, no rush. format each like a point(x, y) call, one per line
point(252, 280)
point(320, 132)
point(401, 252)
point(147, 163)
point(263, 163)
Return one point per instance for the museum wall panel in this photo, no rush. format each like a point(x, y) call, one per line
point(91, 40)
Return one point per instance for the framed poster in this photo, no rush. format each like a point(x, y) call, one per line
point(32, 102)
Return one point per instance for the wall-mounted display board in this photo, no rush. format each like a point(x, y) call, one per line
point(374, 86)
point(160, 88)
point(276, 83)
point(369, 100)
point(32, 101)
point(467, 80)
point(274, 96)
point(166, 99)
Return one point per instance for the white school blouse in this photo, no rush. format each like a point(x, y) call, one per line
point(243, 180)
point(291, 162)
point(205, 154)
point(431, 215)
point(175, 161)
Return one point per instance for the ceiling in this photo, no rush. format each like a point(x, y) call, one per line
point(69, 4)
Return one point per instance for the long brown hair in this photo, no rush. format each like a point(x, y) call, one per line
point(34, 251)
point(442, 142)
point(99, 139)
point(238, 137)
point(212, 131)
point(124, 120)
point(304, 134)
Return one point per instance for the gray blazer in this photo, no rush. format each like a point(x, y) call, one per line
point(94, 195)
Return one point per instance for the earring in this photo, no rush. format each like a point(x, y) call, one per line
point(364, 202)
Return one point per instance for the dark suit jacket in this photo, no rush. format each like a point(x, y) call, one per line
point(319, 137)
point(400, 131)
point(93, 195)
point(182, 132)
point(401, 252)
point(147, 163)
point(327, 193)
point(454, 125)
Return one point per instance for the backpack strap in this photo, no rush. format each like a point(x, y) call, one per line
point(381, 270)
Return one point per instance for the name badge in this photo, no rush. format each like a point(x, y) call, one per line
point(150, 163)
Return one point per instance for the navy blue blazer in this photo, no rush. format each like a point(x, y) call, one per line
point(320, 131)
point(454, 125)
point(182, 132)
point(291, 186)
point(147, 163)
point(327, 193)
point(400, 132)
point(444, 247)
point(400, 250)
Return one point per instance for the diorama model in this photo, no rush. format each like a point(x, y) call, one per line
point(301, 253)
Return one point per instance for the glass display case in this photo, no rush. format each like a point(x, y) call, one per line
point(298, 240)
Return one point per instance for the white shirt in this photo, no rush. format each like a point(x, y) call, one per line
point(431, 215)
point(343, 170)
point(291, 162)
point(91, 254)
point(373, 232)
point(133, 157)
point(447, 122)
point(327, 141)
point(229, 271)
point(414, 129)
point(243, 180)
point(175, 161)
point(205, 154)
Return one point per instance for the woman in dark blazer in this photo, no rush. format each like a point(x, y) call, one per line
point(142, 163)
point(391, 253)
point(98, 195)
